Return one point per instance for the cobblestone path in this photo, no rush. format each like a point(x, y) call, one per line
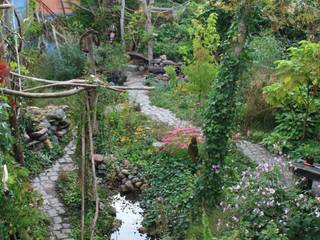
point(155, 113)
point(45, 184)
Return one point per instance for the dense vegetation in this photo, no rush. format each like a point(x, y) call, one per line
point(235, 70)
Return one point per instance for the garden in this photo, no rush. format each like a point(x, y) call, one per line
point(160, 119)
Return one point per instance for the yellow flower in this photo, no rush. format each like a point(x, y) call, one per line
point(124, 139)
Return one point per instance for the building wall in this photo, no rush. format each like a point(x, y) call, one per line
point(56, 6)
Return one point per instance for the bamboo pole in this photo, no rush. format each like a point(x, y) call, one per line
point(83, 166)
point(94, 178)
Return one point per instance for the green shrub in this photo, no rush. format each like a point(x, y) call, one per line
point(171, 72)
point(201, 76)
point(308, 149)
point(169, 200)
point(66, 64)
point(20, 216)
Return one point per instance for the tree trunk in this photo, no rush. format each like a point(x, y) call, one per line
point(149, 27)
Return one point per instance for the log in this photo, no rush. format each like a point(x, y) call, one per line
point(138, 55)
point(66, 93)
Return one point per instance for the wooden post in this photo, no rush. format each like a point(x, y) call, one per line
point(122, 24)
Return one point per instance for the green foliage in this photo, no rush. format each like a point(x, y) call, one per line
point(186, 105)
point(20, 217)
point(66, 65)
point(218, 122)
point(169, 199)
point(37, 161)
point(297, 93)
point(111, 57)
point(205, 35)
point(171, 72)
point(207, 234)
point(201, 75)
point(308, 149)
point(5, 134)
point(301, 71)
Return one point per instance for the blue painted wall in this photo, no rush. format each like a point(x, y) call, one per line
point(21, 7)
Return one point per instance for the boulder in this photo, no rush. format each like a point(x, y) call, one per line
point(61, 133)
point(43, 137)
point(138, 184)
point(39, 133)
point(123, 188)
point(98, 158)
point(163, 57)
point(129, 186)
point(125, 172)
point(135, 180)
point(57, 114)
point(144, 187)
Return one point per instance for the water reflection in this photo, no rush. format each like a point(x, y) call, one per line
point(130, 214)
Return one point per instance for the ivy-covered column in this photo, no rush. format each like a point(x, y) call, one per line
point(219, 117)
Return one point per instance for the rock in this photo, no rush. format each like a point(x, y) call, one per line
point(63, 125)
point(123, 188)
point(61, 133)
point(132, 68)
point(57, 114)
point(144, 187)
point(33, 143)
point(53, 128)
point(135, 180)
point(26, 138)
point(141, 68)
point(138, 184)
point(158, 144)
point(102, 167)
point(124, 180)
point(163, 57)
point(142, 230)
point(125, 163)
point(125, 172)
point(39, 133)
point(156, 61)
point(121, 176)
point(48, 144)
point(168, 62)
point(98, 158)
point(45, 124)
point(43, 137)
point(129, 186)
point(130, 177)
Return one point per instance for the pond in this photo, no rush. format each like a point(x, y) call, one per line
point(129, 213)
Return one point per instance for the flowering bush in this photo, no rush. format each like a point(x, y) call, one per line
point(180, 137)
point(265, 206)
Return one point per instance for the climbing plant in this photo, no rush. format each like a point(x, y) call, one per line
point(220, 113)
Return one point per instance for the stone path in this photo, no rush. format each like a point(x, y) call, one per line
point(142, 99)
point(45, 184)
point(255, 152)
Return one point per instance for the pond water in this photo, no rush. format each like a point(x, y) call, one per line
point(130, 214)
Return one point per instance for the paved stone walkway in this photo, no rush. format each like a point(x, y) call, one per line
point(45, 184)
point(142, 99)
